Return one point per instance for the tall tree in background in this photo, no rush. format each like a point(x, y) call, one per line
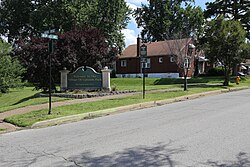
point(31, 17)
point(107, 15)
point(15, 18)
point(167, 19)
point(23, 19)
point(225, 43)
point(231, 9)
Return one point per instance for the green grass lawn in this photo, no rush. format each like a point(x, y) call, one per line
point(28, 119)
point(26, 96)
point(166, 83)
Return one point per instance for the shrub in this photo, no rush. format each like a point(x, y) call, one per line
point(10, 69)
point(216, 72)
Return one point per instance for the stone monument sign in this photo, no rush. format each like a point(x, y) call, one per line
point(85, 78)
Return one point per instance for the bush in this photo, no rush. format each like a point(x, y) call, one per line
point(10, 69)
point(216, 72)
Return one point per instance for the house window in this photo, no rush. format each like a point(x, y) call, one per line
point(147, 63)
point(160, 59)
point(171, 59)
point(123, 63)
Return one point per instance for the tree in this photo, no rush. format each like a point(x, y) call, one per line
point(10, 69)
point(167, 19)
point(231, 9)
point(81, 47)
point(183, 51)
point(14, 18)
point(225, 43)
point(23, 19)
point(31, 17)
point(107, 15)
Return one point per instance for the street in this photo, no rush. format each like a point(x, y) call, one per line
point(209, 131)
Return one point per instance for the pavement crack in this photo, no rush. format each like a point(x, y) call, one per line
point(66, 159)
point(29, 152)
point(50, 154)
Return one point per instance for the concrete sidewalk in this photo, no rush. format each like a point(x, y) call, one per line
point(57, 121)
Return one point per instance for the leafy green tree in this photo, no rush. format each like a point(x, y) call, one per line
point(231, 9)
point(224, 42)
point(167, 19)
point(15, 18)
point(29, 18)
point(51, 14)
point(107, 15)
point(20, 19)
point(10, 69)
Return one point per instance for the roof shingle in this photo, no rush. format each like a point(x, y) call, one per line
point(170, 47)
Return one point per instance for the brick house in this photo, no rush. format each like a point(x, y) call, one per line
point(163, 60)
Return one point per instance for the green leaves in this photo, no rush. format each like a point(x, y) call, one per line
point(231, 9)
point(225, 41)
point(168, 20)
point(31, 17)
point(10, 69)
point(107, 15)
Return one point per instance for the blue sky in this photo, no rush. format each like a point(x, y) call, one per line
point(132, 31)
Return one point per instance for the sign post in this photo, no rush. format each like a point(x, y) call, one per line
point(47, 34)
point(143, 51)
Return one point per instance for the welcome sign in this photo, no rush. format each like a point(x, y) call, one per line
point(84, 78)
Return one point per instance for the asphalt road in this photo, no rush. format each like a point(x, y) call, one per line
point(210, 131)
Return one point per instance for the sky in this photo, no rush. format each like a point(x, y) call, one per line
point(131, 32)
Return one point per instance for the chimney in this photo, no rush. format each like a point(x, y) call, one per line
point(138, 46)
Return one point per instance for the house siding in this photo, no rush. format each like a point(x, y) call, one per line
point(133, 66)
point(165, 67)
point(155, 51)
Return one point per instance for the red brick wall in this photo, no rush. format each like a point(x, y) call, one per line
point(133, 66)
point(165, 67)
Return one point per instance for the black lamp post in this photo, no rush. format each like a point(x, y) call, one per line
point(51, 50)
point(143, 52)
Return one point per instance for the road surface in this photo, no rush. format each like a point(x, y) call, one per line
point(210, 131)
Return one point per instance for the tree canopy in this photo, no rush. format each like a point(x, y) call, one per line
point(225, 43)
point(168, 19)
point(231, 9)
point(31, 17)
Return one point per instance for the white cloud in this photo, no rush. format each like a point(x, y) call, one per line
point(130, 36)
point(137, 2)
point(132, 6)
point(132, 32)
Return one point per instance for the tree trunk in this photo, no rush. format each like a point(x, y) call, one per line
point(235, 70)
point(185, 79)
point(226, 77)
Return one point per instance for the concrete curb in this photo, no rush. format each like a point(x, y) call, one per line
point(78, 117)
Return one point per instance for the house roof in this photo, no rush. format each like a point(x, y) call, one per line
point(170, 47)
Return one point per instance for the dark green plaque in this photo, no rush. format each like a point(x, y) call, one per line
point(84, 78)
